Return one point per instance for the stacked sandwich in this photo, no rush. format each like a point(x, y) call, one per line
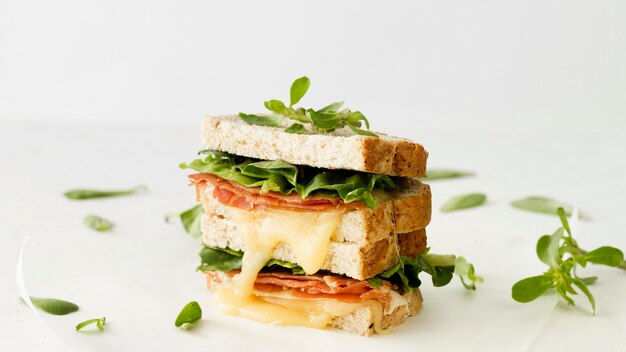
point(319, 230)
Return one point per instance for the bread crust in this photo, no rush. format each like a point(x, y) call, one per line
point(341, 149)
point(361, 321)
point(404, 211)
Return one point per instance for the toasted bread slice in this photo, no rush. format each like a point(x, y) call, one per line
point(365, 242)
point(360, 321)
point(341, 149)
point(403, 211)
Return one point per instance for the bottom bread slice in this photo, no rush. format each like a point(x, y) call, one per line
point(362, 321)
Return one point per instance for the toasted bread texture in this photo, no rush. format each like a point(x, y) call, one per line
point(360, 321)
point(366, 241)
point(341, 149)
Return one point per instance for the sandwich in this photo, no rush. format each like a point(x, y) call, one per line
point(310, 220)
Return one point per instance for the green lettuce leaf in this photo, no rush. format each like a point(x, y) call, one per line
point(405, 274)
point(280, 176)
point(226, 259)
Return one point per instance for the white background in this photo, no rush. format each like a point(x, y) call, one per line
point(531, 95)
point(537, 64)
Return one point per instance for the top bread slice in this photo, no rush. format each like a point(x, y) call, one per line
point(341, 149)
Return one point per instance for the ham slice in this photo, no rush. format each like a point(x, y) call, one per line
point(249, 198)
point(320, 286)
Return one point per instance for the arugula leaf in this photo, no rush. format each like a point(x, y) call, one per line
point(298, 89)
point(562, 254)
point(98, 321)
point(262, 120)
point(326, 119)
point(285, 178)
point(54, 306)
point(539, 204)
point(440, 174)
point(191, 219)
point(296, 128)
point(97, 223)
point(188, 316)
point(81, 194)
point(464, 201)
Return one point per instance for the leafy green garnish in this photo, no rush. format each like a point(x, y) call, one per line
point(98, 321)
point(539, 204)
point(280, 176)
point(326, 119)
point(562, 255)
point(54, 306)
point(190, 219)
point(226, 259)
point(188, 316)
point(262, 120)
point(80, 194)
point(464, 201)
point(296, 128)
point(404, 274)
point(97, 223)
point(439, 174)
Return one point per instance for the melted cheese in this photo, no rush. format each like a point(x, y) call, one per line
point(308, 236)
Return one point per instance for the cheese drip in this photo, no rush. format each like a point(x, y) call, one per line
point(308, 236)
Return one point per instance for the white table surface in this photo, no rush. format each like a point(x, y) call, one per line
point(40, 161)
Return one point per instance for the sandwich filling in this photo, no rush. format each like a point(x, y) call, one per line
point(278, 203)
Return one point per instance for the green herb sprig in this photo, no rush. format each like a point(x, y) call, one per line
point(98, 321)
point(188, 316)
point(326, 119)
point(563, 255)
point(97, 223)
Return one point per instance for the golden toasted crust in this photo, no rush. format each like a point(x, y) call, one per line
point(341, 149)
point(413, 243)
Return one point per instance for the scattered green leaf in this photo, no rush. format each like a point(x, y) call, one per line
point(543, 205)
point(464, 201)
point(98, 321)
point(191, 219)
point(563, 255)
point(188, 316)
point(54, 306)
point(80, 194)
point(440, 174)
point(97, 223)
